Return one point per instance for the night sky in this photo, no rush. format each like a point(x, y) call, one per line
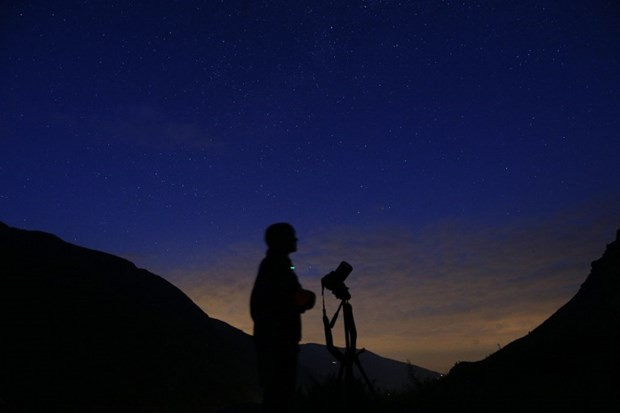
point(462, 156)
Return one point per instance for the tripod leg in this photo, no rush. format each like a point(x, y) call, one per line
point(350, 334)
point(352, 354)
point(358, 363)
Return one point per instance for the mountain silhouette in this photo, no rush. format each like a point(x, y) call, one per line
point(567, 364)
point(84, 330)
point(317, 364)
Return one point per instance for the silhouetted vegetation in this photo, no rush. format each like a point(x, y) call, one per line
point(333, 395)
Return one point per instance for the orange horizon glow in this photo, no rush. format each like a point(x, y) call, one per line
point(444, 294)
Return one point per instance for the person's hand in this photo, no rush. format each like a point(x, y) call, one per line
point(304, 300)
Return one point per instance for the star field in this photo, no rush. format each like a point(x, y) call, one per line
point(174, 132)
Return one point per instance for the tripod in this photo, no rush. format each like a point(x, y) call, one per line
point(350, 356)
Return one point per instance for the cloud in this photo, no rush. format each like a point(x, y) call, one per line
point(436, 295)
point(147, 125)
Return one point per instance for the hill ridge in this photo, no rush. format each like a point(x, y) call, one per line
point(568, 363)
point(81, 325)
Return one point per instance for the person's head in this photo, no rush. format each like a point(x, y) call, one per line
point(281, 237)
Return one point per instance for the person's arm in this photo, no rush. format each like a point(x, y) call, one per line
point(304, 300)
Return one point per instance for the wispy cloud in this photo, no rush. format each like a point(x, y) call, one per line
point(448, 292)
point(143, 125)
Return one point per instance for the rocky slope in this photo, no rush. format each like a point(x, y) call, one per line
point(87, 330)
point(569, 363)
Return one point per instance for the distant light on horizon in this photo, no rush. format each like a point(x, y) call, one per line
point(431, 310)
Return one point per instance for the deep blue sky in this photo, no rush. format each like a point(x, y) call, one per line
point(171, 132)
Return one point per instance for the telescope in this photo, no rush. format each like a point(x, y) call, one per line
point(334, 281)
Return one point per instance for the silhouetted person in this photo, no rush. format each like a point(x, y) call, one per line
point(276, 305)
